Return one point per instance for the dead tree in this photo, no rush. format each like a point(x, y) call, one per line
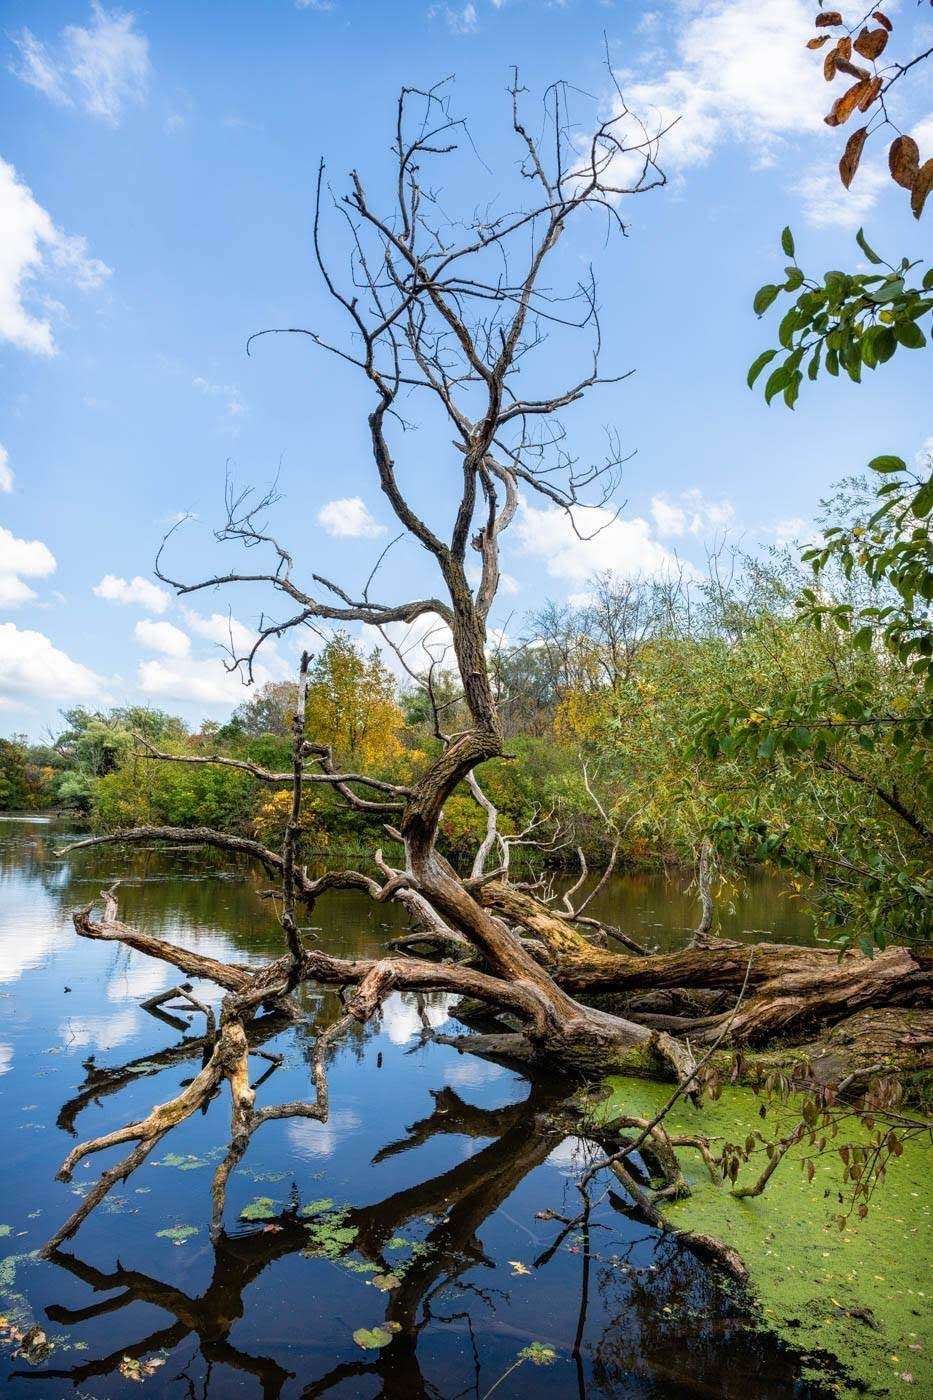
point(448, 312)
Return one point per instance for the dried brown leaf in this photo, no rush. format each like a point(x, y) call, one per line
point(826, 18)
point(844, 66)
point(872, 91)
point(871, 42)
point(818, 42)
point(844, 47)
point(904, 161)
point(852, 155)
point(845, 105)
point(829, 64)
point(882, 20)
point(923, 183)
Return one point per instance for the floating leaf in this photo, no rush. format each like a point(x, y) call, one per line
point(262, 1208)
point(317, 1207)
point(178, 1234)
point(538, 1354)
point(5, 1229)
point(518, 1267)
point(852, 155)
point(371, 1338)
point(385, 1282)
point(904, 161)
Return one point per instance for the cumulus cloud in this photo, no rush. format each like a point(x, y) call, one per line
point(739, 71)
point(103, 67)
point(21, 559)
point(31, 666)
point(690, 513)
point(163, 637)
point(6, 471)
point(139, 592)
point(33, 248)
point(624, 546)
point(349, 518)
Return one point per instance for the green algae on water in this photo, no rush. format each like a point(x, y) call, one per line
point(861, 1294)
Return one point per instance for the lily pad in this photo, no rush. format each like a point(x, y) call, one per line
point(385, 1282)
point(317, 1207)
point(371, 1338)
point(262, 1208)
point(178, 1234)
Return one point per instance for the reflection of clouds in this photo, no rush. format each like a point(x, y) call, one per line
point(469, 1071)
point(6, 1058)
point(570, 1155)
point(102, 1032)
point(22, 951)
point(400, 1019)
point(312, 1139)
point(138, 978)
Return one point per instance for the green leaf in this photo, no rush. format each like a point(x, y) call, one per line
point(758, 365)
point(909, 333)
point(922, 503)
point(777, 381)
point(764, 297)
point(870, 253)
point(372, 1338)
point(262, 1208)
point(887, 464)
point(787, 242)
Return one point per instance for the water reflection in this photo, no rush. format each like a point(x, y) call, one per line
point(443, 1168)
point(665, 1327)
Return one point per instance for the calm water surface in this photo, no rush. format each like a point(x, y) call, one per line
point(440, 1163)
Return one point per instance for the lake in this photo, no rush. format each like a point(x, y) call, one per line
point(423, 1194)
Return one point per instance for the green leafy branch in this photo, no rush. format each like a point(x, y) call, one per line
point(845, 322)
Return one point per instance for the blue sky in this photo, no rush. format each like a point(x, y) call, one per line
point(156, 192)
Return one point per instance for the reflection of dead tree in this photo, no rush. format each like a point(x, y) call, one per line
point(455, 1204)
point(448, 314)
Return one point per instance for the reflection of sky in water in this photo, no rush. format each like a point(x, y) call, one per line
point(468, 1072)
point(400, 1018)
point(313, 1139)
point(6, 1058)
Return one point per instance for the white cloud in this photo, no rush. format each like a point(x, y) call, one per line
point(462, 20)
point(312, 1139)
point(320, 7)
point(349, 518)
point(21, 559)
point(426, 639)
point(691, 513)
point(827, 204)
point(400, 1018)
point(740, 71)
point(101, 1032)
point(30, 665)
point(230, 392)
point(104, 67)
point(163, 637)
point(31, 245)
point(6, 471)
point(139, 592)
point(624, 546)
point(792, 530)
